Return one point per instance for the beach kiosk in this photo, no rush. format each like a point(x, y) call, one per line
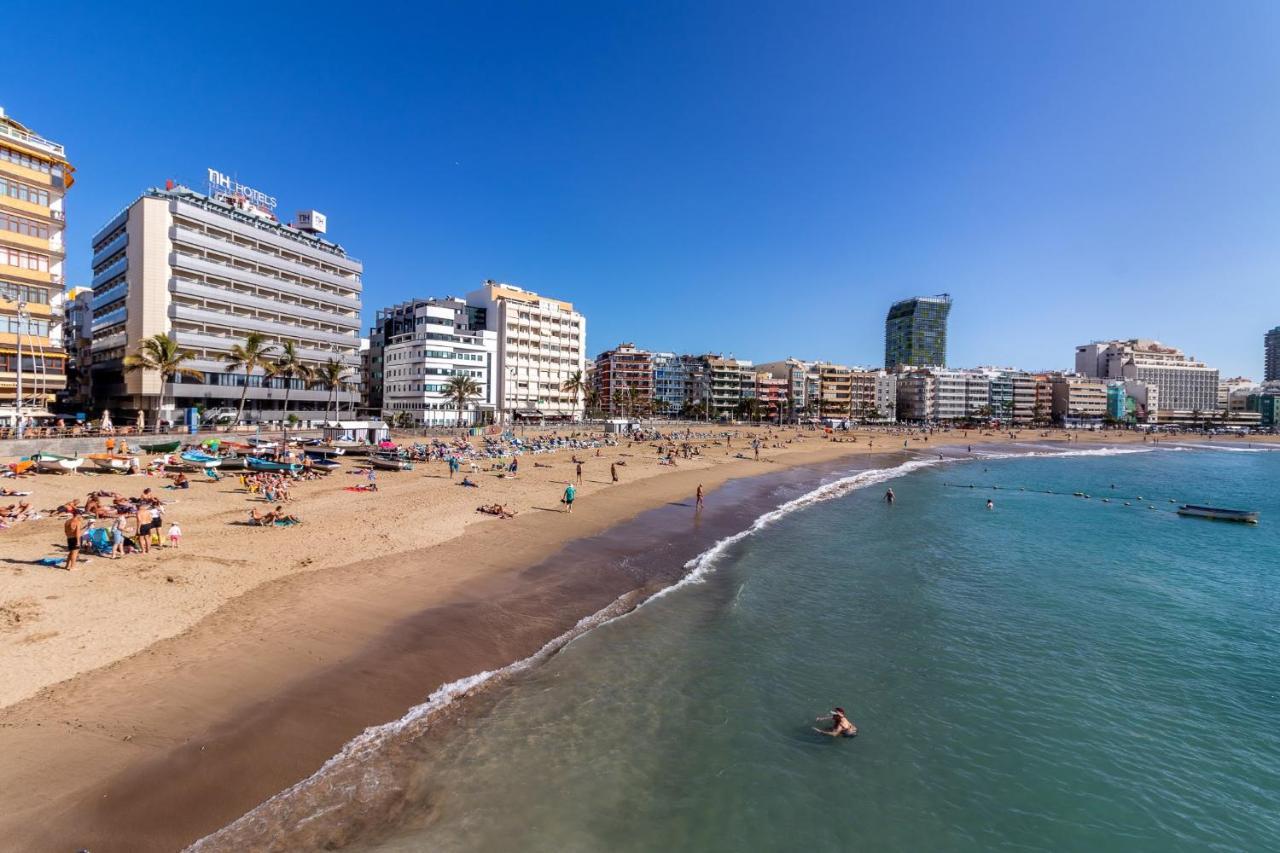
point(363, 432)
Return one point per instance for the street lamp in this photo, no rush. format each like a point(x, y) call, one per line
point(17, 402)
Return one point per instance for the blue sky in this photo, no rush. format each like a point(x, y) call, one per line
point(757, 179)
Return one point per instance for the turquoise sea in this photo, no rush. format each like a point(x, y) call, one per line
point(1057, 673)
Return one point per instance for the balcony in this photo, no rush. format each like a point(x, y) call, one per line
point(222, 343)
point(210, 268)
point(213, 244)
point(184, 287)
point(236, 322)
point(116, 244)
point(266, 232)
point(110, 272)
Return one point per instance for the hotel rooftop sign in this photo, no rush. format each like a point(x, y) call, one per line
point(220, 183)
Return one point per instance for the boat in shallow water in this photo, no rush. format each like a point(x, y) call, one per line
point(1245, 516)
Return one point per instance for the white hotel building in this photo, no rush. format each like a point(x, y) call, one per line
point(209, 269)
point(418, 346)
point(541, 343)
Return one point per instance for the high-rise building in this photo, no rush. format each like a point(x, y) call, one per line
point(541, 344)
point(1186, 385)
point(417, 347)
point(915, 332)
point(1271, 365)
point(208, 270)
point(34, 178)
point(624, 380)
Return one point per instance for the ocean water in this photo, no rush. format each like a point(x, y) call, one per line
point(1058, 673)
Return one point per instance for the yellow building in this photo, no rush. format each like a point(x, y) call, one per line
point(34, 177)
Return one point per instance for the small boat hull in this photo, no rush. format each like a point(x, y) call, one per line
point(325, 465)
point(1241, 516)
point(390, 464)
point(201, 460)
point(110, 462)
point(53, 464)
point(163, 447)
point(254, 463)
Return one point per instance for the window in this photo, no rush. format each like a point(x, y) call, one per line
point(26, 160)
point(38, 328)
point(22, 192)
point(24, 260)
point(23, 293)
point(24, 226)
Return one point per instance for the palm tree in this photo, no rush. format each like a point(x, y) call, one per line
point(635, 401)
point(576, 385)
point(591, 399)
point(332, 375)
point(748, 409)
point(290, 366)
point(459, 390)
point(255, 352)
point(162, 354)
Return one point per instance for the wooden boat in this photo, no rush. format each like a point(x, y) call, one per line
point(111, 461)
point(320, 451)
point(162, 447)
point(257, 463)
point(196, 459)
point(1245, 516)
point(232, 463)
point(325, 465)
point(352, 448)
point(52, 463)
point(390, 463)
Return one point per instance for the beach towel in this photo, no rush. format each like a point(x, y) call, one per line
point(285, 522)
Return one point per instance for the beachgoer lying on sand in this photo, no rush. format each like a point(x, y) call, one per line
point(13, 493)
point(260, 518)
point(362, 487)
point(467, 481)
point(282, 517)
point(841, 726)
point(496, 509)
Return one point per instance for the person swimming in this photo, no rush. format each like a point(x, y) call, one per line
point(841, 725)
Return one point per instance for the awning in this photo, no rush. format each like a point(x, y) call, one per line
point(528, 413)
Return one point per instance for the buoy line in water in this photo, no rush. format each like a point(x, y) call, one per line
point(1124, 501)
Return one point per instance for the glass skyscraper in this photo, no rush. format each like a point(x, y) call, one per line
point(1271, 369)
point(915, 332)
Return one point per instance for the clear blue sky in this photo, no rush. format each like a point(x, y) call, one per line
point(755, 179)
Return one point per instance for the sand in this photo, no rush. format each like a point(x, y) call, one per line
point(176, 690)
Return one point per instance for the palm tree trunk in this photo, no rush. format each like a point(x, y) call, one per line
point(244, 392)
point(284, 422)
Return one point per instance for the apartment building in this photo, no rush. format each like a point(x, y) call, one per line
point(624, 380)
point(673, 383)
point(1271, 356)
point(1186, 385)
point(724, 384)
point(417, 347)
point(34, 179)
point(772, 392)
point(835, 392)
point(77, 340)
point(208, 269)
point(804, 385)
point(1078, 399)
point(541, 344)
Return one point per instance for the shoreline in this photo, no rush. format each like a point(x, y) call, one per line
point(149, 729)
point(185, 737)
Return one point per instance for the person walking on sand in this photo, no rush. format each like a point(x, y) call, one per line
point(569, 494)
point(699, 504)
point(73, 527)
point(579, 475)
point(144, 528)
point(175, 535)
point(613, 471)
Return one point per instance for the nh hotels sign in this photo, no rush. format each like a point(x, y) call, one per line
point(218, 182)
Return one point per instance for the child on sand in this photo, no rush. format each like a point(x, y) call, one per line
point(175, 535)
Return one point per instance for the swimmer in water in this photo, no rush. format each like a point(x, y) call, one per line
point(991, 504)
point(889, 497)
point(841, 725)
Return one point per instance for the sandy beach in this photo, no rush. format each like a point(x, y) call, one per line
point(150, 700)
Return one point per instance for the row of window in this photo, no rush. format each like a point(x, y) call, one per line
point(30, 363)
point(24, 260)
point(20, 158)
point(37, 328)
point(22, 225)
point(406, 355)
point(23, 192)
point(24, 293)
